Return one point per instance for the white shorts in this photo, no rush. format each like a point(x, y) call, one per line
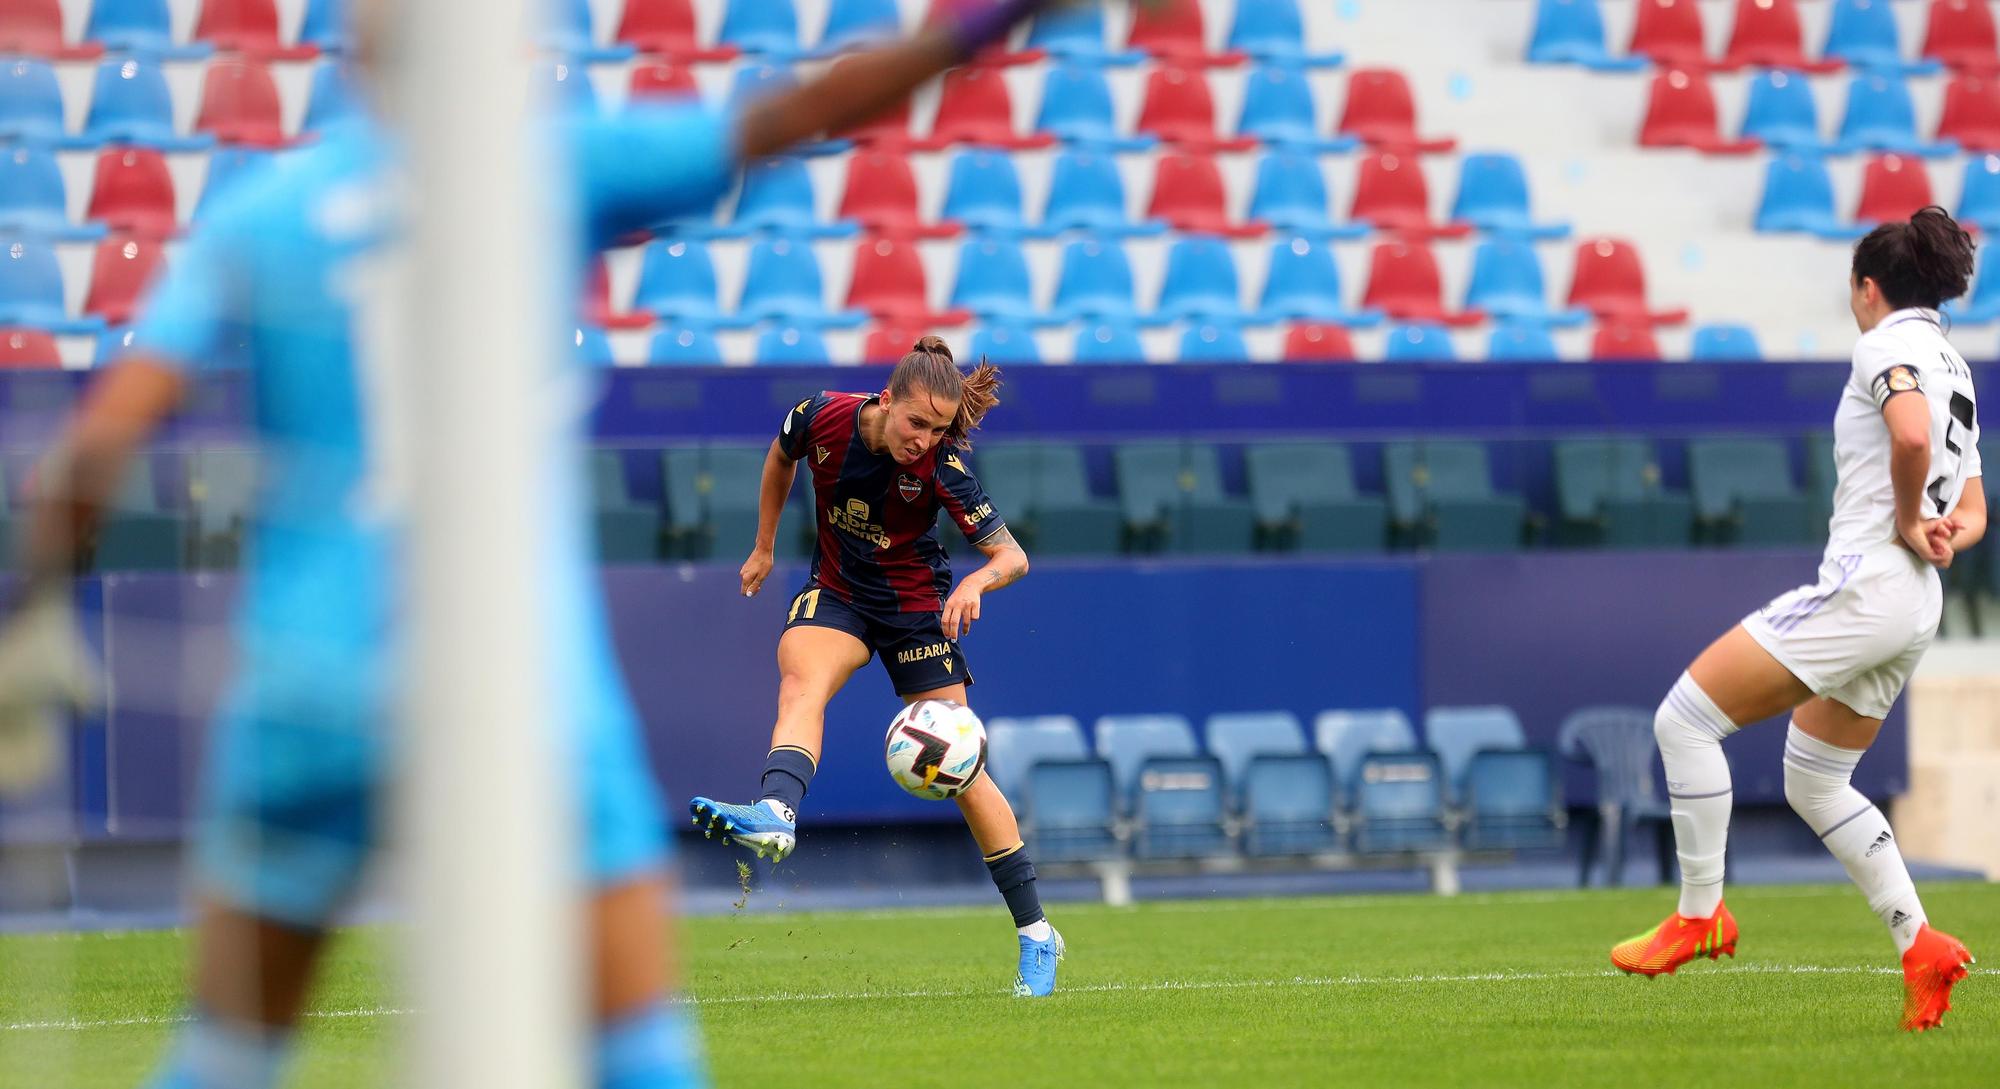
point(1857, 635)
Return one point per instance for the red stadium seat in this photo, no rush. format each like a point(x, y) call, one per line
point(249, 27)
point(1625, 341)
point(27, 348)
point(134, 193)
point(1175, 30)
point(667, 27)
point(1180, 109)
point(1404, 283)
point(597, 306)
point(1972, 113)
point(1188, 194)
point(1610, 281)
point(1681, 112)
point(1318, 342)
point(35, 27)
point(1962, 35)
point(890, 343)
point(1893, 187)
point(882, 196)
point(1382, 111)
point(889, 283)
point(1390, 193)
point(239, 104)
point(975, 107)
point(1669, 33)
point(663, 79)
point(124, 267)
point(1768, 34)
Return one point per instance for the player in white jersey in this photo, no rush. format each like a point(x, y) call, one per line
point(1837, 653)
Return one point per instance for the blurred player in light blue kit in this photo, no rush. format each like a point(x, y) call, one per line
point(289, 277)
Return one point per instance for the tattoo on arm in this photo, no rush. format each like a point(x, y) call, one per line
point(1003, 569)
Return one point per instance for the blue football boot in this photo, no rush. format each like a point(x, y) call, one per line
point(1037, 974)
point(771, 831)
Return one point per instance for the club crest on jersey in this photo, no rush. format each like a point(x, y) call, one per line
point(821, 453)
point(909, 487)
point(1902, 379)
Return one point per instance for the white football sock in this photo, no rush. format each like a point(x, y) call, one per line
point(1690, 729)
point(1818, 784)
point(1039, 930)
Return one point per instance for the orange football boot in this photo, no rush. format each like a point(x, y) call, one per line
point(1930, 966)
point(1677, 941)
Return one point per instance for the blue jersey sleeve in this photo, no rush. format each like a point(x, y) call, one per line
point(959, 491)
point(649, 164)
point(183, 319)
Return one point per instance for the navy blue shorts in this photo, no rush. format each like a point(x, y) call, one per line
point(912, 645)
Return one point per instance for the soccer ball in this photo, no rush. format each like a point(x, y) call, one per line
point(936, 749)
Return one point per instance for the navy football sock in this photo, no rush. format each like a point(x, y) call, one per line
point(1014, 876)
point(788, 771)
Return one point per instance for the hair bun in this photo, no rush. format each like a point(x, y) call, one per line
point(933, 345)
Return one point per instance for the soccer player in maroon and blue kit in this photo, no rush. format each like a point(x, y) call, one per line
point(883, 467)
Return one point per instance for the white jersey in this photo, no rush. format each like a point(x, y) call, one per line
point(1905, 354)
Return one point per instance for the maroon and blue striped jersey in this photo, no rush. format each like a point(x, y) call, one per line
point(876, 520)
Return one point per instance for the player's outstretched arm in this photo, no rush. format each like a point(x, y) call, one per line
point(771, 493)
point(1006, 562)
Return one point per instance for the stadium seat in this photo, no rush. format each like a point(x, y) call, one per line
point(1618, 744)
point(889, 282)
point(35, 28)
point(1128, 741)
point(1304, 284)
point(138, 533)
point(597, 306)
point(783, 283)
point(1273, 32)
point(1507, 284)
point(1072, 810)
point(1608, 493)
point(684, 346)
point(1095, 282)
point(239, 104)
point(1179, 109)
point(1278, 110)
point(1013, 745)
point(1971, 115)
point(1115, 341)
point(1744, 494)
point(1961, 34)
point(24, 348)
point(889, 343)
point(139, 27)
point(1521, 342)
point(1624, 340)
point(1399, 804)
point(226, 166)
point(1077, 33)
point(31, 290)
point(1456, 733)
point(1610, 281)
point(1288, 804)
point(993, 281)
point(1381, 112)
point(881, 195)
point(1213, 342)
point(1893, 187)
point(628, 531)
point(567, 85)
point(1512, 802)
point(130, 104)
point(1669, 33)
point(656, 78)
point(975, 107)
point(667, 28)
point(326, 26)
point(33, 200)
point(1863, 34)
point(1236, 738)
point(851, 23)
point(1086, 193)
point(1318, 342)
point(1983, 304)
point(1003, 341)
point(1347, 736)
point(1174, 31)
point(1200, 283)
point(792, 345)
point(1419, 342)
point(677, 284)
point(332, 97)
point(1290, 194)
point(1390, 193)
point(1979, 195)
point(1172, 498)
point(1179, 808)
point(1572, 32)
point(247, 28)
point(1077, 109)
point(1188, 193)
point(31, 105)
point(711, 495)
point(1681, 112)
point(1304, 498)
point(1404, 283)
point(1882, 117)
point(983, 193)
point(777, 198)
point(1782, 113)
point(1725, 343)
point(767, 28)
point(124, 267)
point(1798, 197)
point(1045, 492)
point(1768, 34)
point(1441, 494)
point(1493, 197)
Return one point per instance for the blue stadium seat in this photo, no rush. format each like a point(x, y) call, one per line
point(1493, 196)
point(1521, 342)
point(1272, 32)
point(783, 283)
point(1507, 283)
point(1511, 802)
point(1291, 195)
point(677, 284)
point(767, 27)
point(1108, 342)
point(1303, 283)
point(1073, 815)
point(1086, 193)
point(1128, 741)
point(332, 97)
point(1288, 804)
point(1076, 33)
point(1278, 110)
point(31, 105)
point(1013, 745)
point(1213, 342)
point(111, 344)
point(1419, 342)
point(31, 290)
point(1725, 343)
point(1200, 283)
point(1863, 34)
point(131, 105)
point(792, 345)
point(684, 346)
point(1095, 282)
point(1572, 32)
point(1618, 744)
point(1178, 809)
point(1236, 738)
point(1347, 736)
point(567, 31)
point(993, 280)
point(777, 198)
point(1798, 197)
point(983, 191)
point(855, 22)
point(326, 26)
point(1077, 109)
point(33, 200)
point(1782, 113)
point(567, 85)
point(1455, 733)
point(225, 166)
point(1983, 304)
point(1881, 116)
point(1979, 195)
point(593, 346)
point(1005, 342)
point(1399, 803)
point(140, 27)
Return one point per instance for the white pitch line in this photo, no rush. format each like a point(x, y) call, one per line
point(1093, 988)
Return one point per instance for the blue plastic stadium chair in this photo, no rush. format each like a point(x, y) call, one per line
point(1618, 744)
point(111, 344)
point(31, 289)
point(1073, 811)
point(1572, 32)
point(1979, 196)
point(677, 283)
point(568, 85)
point(854, 22)
point(1236, 738)
point(1863, 34)
point(1419, 342)
point(31, 105)
point(567, 31)
point(792, 345)
point(1881, 116)
point(1278, 109)
point(1983, 305)
point(1288, 805)
point(1178, 809)
point(1782, 112)
point(227, 165)
point(777, 198)
point(1725, 343)
point(1303, 284)
point(783, 283)
point(767, 27)
point(993, 280)
point(593, 347)
point(760, 77)
point(1512, 802)
point(983, 191)
point(1291, 196)
point(332, 97)
point(1200, 283)
point(1399, 803)
point(326, 26)
point(1013, 745)
point(1128, 741)
point(1213, 342)
point(140, 27)
point(1095, 282)
point(1347, 736)
point(1076, 109)
point(1798, 197)
point(1076, 33)
point(1272, 31)
point(1455, 733)
point(1493, 196)
point(33, 200)
point(1006, 342)
point(1086, 193)
point(1507, 283)
point(1521, 342)
point(1108, 342)
point(684, 346)
point(131, 105)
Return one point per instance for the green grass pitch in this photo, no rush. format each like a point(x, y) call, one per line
point(1485, 990)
